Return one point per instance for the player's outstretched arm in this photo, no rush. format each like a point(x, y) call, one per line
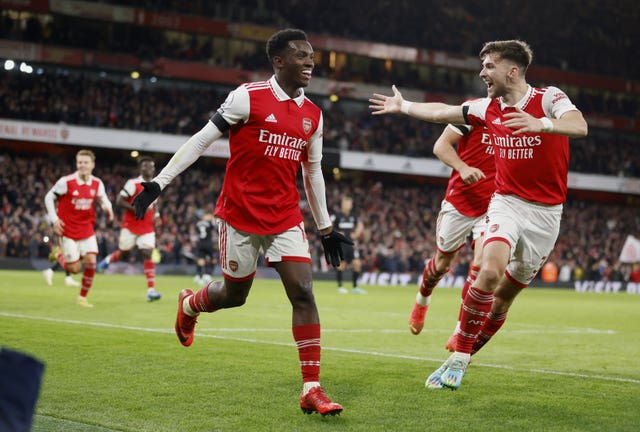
point(434, 112)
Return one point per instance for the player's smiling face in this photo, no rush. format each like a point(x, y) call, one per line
point(147, 170)
point(297, 63)
point(84, 165)
point(494, 74)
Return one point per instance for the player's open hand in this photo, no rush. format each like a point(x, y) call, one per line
point(381, 104)
point(146, 196)
point(522, 122)
point(332, 245)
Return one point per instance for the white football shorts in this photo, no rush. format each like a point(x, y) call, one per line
point(128, 240)
point(453, 228)
point(239, 250)
point(73, 250)
point(531, 229)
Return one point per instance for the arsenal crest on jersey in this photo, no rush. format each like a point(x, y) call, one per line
point(306, 125)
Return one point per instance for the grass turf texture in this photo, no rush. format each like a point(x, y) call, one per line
point(564, 361)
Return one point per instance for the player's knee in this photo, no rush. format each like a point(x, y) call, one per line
point(74, 268)
point(302, 296)
point(500, 304)
point(443, 265)
point(490, 275)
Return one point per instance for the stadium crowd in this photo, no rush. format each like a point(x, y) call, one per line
point(442, 25)
point(398, 214)
point(88, 99)
point(151, 43)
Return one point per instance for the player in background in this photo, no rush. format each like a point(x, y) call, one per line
point(139, 233)
point(348, 223)
point(73, 219)
point(529, 130)
point(206, 256)
point(468, 151)
point(274, 131)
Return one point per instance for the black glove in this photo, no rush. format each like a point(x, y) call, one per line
point(332, 245)
point(146, 196)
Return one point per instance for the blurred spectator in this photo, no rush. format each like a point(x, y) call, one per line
point(398, 214)
point(86, 98)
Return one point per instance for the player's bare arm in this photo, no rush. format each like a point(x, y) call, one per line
point(571, 124)
point(434, 112)
point(109, 210)
point(444, 149)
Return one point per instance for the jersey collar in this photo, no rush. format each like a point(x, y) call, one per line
point(521, 103)
point(282, 96)
point(81, 182)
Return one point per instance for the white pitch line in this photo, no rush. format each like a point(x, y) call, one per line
point(74, 422)
point(324, 348)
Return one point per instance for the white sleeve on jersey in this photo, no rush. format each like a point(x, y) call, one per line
point(314, 181)
point(461, 130)
point(60, 188)
point(478, 108)
point(103, 198)
point(128, 189)
point(188, 153)
point(236, 107)
point(555, 103)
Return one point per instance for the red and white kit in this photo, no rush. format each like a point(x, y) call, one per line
point(271, 137)
point(76, 209)
point(140, 233)
point(531, 179)
point(465, 205)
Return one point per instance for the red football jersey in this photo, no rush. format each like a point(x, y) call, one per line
point(270, 135)
point(76, 204)
point(475, 149)
point(533, 166)
point(145, 225)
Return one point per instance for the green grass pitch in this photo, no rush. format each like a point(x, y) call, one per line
point(564, 361)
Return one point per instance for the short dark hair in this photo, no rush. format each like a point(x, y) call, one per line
point(280, 39)
point(143, 159)
point(516, 51)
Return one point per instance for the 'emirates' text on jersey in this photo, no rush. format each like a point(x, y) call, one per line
point(475, 149)
point(138, 227)
point(533, 166)
point(270, 135)
point(76, 204)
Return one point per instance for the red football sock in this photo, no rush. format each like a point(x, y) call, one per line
point(490, 328)
point(115, 256)
point(87, 278)
point(150, 273)
point(307, 339)
point(430, 278)
point(471, 278)
point(476, 308)
point(200, 302)
point(60, 259)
